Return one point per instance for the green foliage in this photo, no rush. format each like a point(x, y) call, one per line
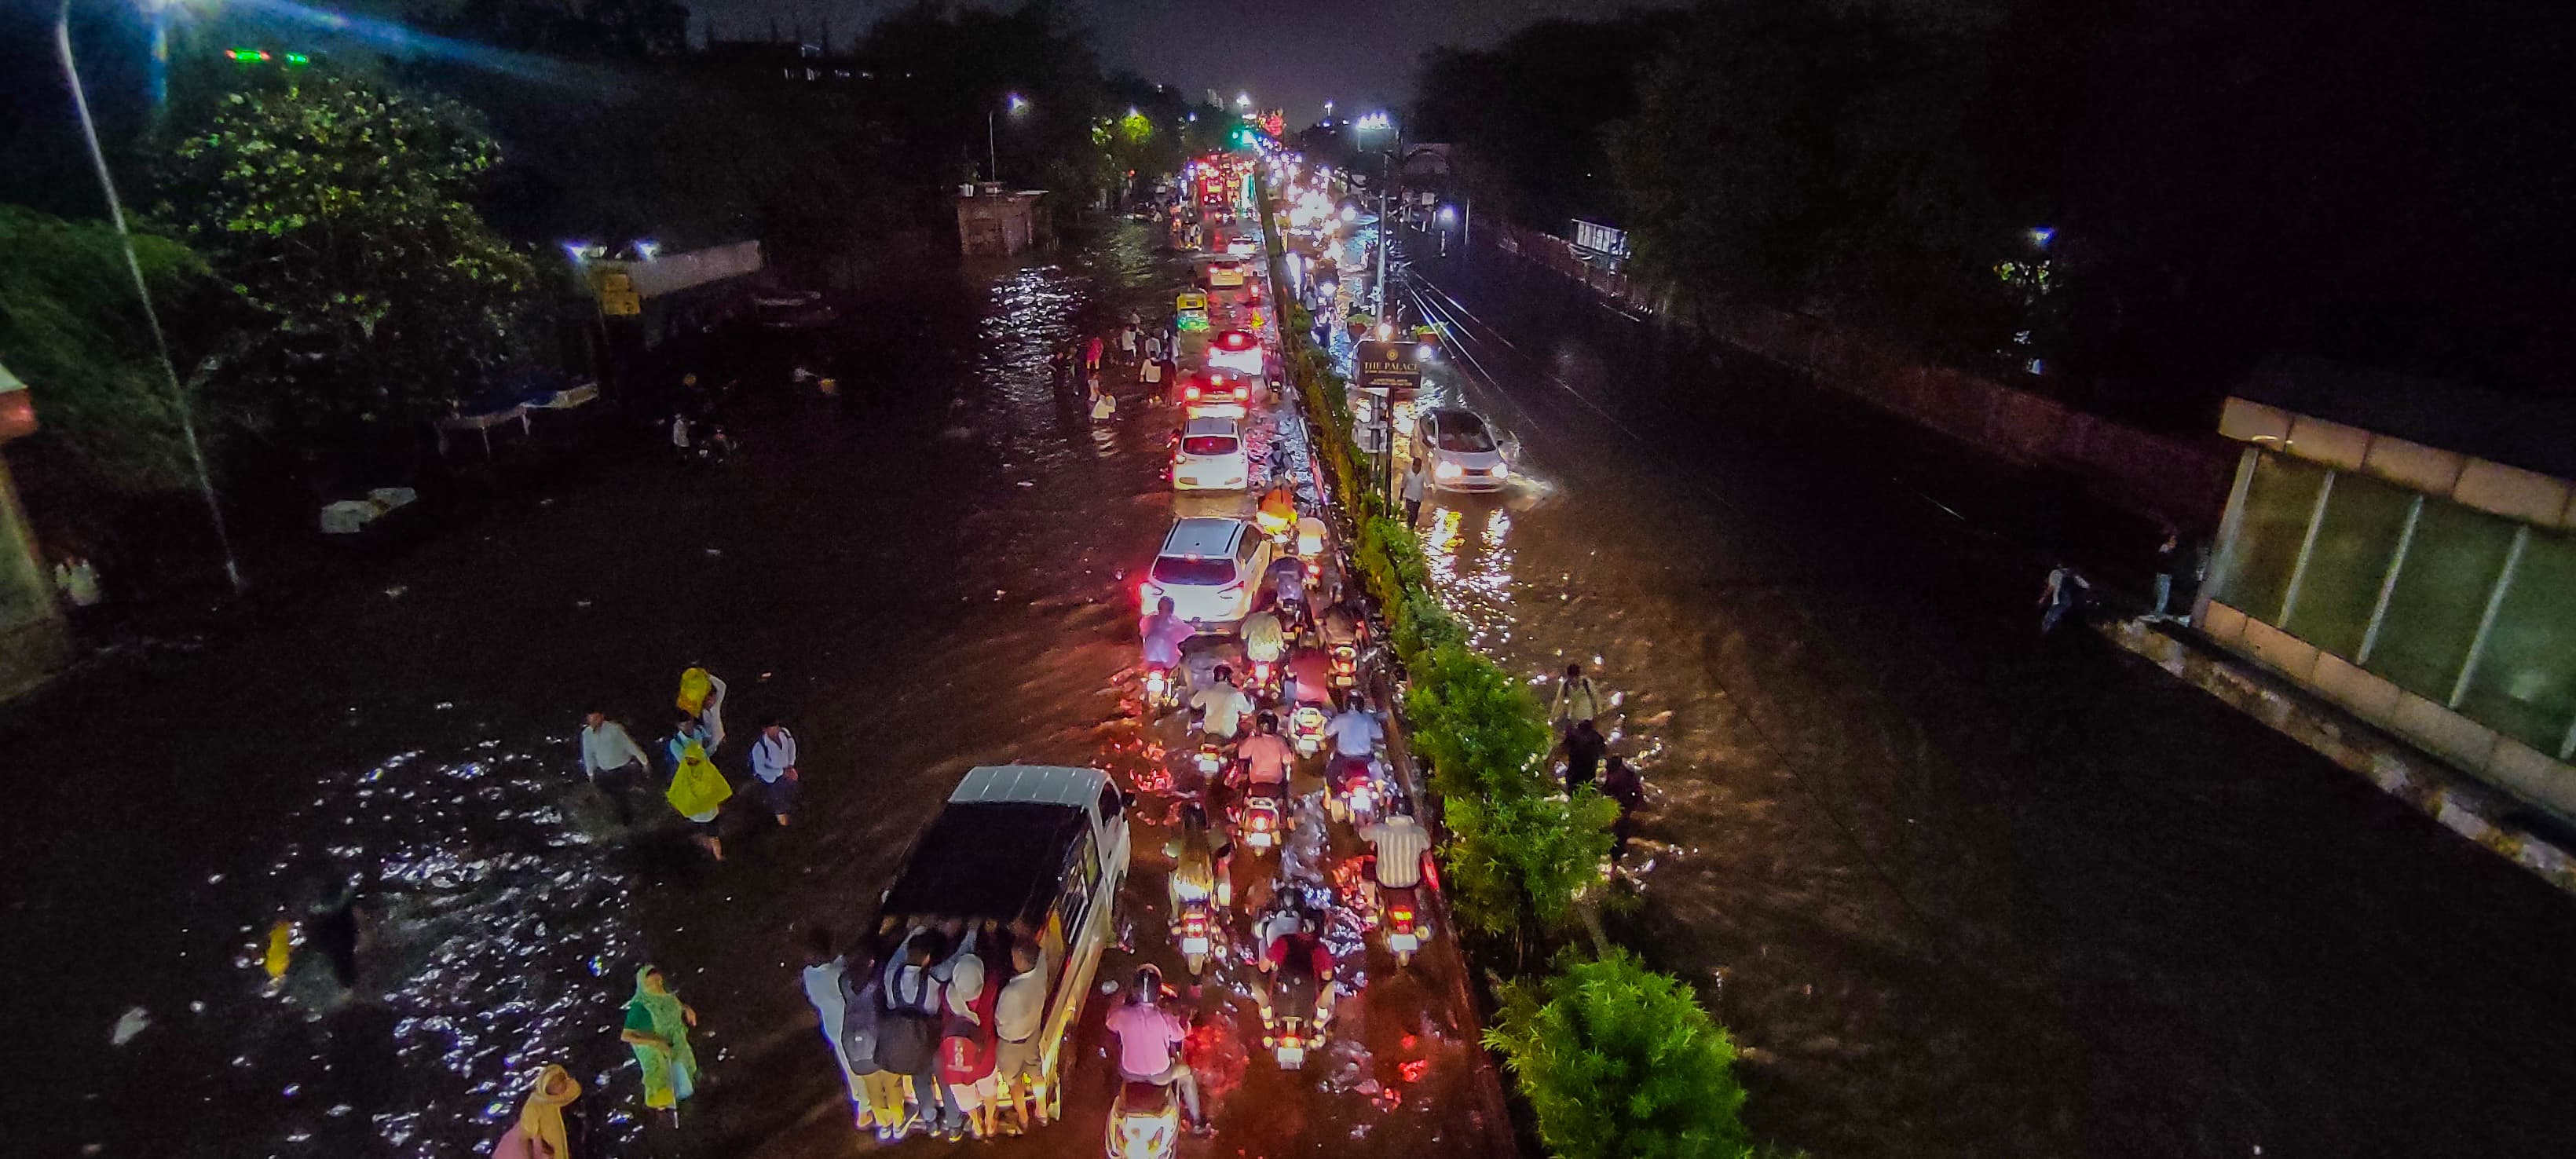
point(1520, 861)
point(1619, 1062)
point(70, 327)
point(339, 210)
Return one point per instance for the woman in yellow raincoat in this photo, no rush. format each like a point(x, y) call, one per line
point(657, 1026)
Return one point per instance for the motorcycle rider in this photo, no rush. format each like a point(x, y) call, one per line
point(1149, 1040)
point(1310, 677)
point(1399, 844)
point(1293, 953)
point(1278, 505)
point(1355, 734)
point(1222, 707)
point(1205, 866)
point(1264, 641)
point(1266, 755)
point(1163, 632)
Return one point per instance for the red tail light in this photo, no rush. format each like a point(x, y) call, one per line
point(1400, 917)
point(1194, 924)
point(1191, 394)
point(1261, 822)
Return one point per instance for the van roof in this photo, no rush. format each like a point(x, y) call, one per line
point(1003, 860)
point(1203, 536)
point(1037, 784)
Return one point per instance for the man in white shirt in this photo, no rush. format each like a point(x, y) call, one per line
point(1222, 707)
point(1400, 842)
point(1017, 1017)
point(611, 758)
point(773, 764)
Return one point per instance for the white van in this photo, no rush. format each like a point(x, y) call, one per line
point(1211, 456)
point(1044, 846)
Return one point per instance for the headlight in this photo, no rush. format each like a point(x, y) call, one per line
point(1502, 471)
point(1447, 472)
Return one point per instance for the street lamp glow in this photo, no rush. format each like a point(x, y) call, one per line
point(1020, 103)
point(1243, 100)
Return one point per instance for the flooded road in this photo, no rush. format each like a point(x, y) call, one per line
point(1961, 890)
point(931, 572)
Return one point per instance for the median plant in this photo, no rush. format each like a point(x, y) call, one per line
point(1619, 1062)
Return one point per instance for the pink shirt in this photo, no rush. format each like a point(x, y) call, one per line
point(1267, 755)
point(1147, 1037)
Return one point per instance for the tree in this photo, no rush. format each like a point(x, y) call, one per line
point(339, 209)
point(1619, 1062)
point(70, 326)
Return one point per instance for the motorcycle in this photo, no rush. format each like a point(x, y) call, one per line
point(1160, 696)
point(1265, 680)
point(1192, 922)
point(1294, 1016)
point(1346, 666)
point(1144, 1123)
point(1357, 797)
point(1400, 919)
point(1261, 821)
point(1210, 762)
point(1306, 729)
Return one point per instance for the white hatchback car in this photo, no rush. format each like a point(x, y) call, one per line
point(1460, 451)
point(1210, 569)
point(1211, 456)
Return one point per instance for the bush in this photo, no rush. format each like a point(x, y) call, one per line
point(1619, 1062)
point(1519, 862)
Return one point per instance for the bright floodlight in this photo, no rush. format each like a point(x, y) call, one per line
point(1019, 103)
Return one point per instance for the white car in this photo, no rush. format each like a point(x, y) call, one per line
point(1460, 451)
point(1210, 456)
point(1210, 569)
point(1225, 275)
point(1038, 847)
point(1216, 395)
point(1242, 245)
point(1235, 352)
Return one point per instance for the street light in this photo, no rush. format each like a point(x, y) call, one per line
point(134, 268)
point(992, 156)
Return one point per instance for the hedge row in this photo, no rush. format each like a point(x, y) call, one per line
point(1616, 1060)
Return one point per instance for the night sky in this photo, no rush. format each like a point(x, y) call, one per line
point(1356, 53)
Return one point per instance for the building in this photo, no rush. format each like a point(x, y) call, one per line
point(993, 222)
point(2408, 552)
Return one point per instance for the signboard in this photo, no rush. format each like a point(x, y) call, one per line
point(1601, 239)
point(1390, 366)
point(617, 295)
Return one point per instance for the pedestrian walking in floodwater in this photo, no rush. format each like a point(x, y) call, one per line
point(1413, 484)
point(698, 791)
point(828, 991)
point(657, 1026)
point(1584, 749)
point(612, 760)
point(549, 1127)
point(2065, 587)
point(1127, 343)
point(773, 764)
point(1577, 700)
point(1091, 354)
point(1622, 784)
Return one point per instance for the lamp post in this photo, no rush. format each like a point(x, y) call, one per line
point(992, 153)
point(143, 291)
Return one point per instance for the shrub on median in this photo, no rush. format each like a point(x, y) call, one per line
point(1619, 1062)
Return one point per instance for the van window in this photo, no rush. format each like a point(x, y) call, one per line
point(1208, 445)
point(1079, 880)
point(1186, 571)
point(1112, 802)
point(1244, 550)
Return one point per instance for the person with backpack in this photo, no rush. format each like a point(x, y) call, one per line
point(862, 999)
point(966, 1047)
point(1577, 700)
point(828, 991)
point(909, 1017)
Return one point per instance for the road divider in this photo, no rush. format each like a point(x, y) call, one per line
point(1613, 1058)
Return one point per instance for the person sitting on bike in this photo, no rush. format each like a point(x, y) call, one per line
point(1264, 642)
point(1222, 707)
point(1355, 733)
point(1339, 626)
point(1279, 506)
point(1163, 633)
point(1310, 677)
point(1267, 757)
point(1293, 953)
point(1399, 844)
point(1206, 860)
point(1149, 1043)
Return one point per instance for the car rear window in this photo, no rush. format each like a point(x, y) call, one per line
point(1184, 571)
point(1208, 445)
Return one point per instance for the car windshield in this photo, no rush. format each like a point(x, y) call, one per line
point(1208, 445)
point(1464, 434)
point(1192, 572)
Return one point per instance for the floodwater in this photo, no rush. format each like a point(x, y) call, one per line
point(1959, 890)
point(931, 572)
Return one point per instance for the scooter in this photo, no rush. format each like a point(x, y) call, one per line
point(1357, 797)
point(1144, 1123)
point(1160, 697)
point(1265, 680)
point(1210, 762)
point(1346, 666)
point(1400, 919)
point(1292, 1022)
point(1306, 729)
point(1261, 821)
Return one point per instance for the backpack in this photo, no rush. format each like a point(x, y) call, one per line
point(907, 1034)
point(859, 1017)
point(966, 1051)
